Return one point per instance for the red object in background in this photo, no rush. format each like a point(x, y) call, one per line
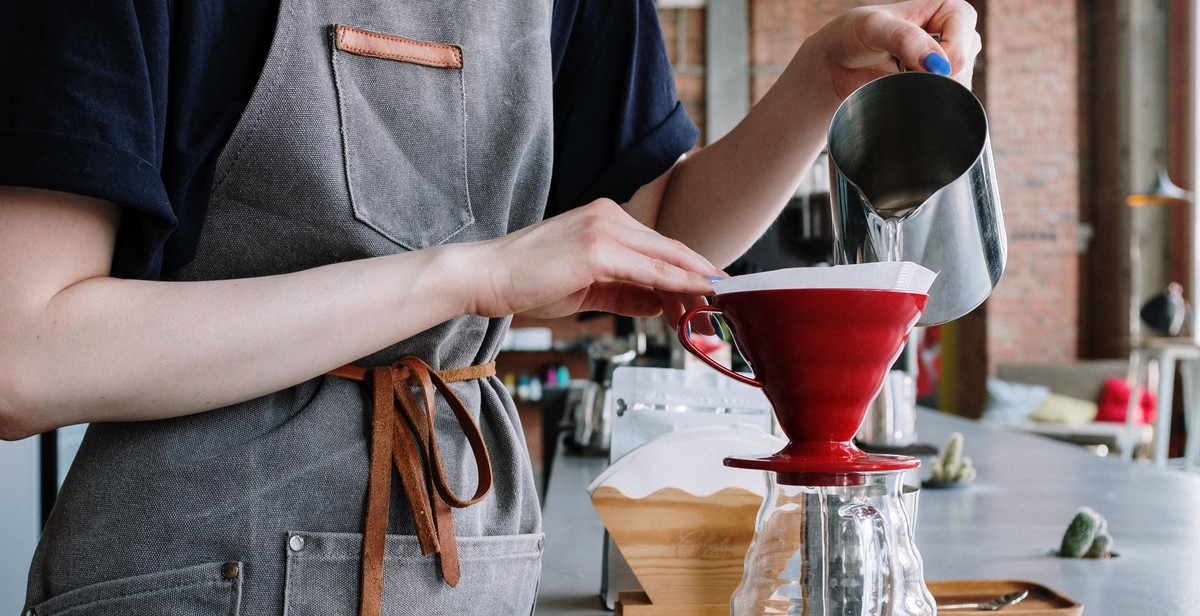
point(707, 344)
point(1114, 402)
point(929, 361)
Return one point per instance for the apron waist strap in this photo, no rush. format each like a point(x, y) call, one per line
point(402, 436)
point(451, 375)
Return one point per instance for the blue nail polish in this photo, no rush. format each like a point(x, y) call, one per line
point(718, 331)
point(715, 279)
point(936, 64)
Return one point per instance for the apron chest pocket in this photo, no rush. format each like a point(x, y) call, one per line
point(202, 590)
point(402, 108)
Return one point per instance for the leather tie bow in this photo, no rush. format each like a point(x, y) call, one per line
point(402, 435)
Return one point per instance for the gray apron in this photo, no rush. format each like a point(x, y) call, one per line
point(348, 149)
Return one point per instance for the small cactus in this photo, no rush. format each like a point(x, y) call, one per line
point(952, 466)
point(1101, 546)
point(1087, 536)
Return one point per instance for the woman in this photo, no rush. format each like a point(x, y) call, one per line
point(268, 266)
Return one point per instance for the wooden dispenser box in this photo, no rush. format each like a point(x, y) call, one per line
point(687, 551)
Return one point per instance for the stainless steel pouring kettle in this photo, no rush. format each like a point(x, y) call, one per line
point(912, 179)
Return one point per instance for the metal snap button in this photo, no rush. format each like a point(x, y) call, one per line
point(296, 543)
point(230, 570)
point(541, 542)
point(29, 612)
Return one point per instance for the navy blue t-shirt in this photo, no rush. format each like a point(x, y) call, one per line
point(133, 100)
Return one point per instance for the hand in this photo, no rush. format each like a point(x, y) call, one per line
point(596, 257)
point(864, 43)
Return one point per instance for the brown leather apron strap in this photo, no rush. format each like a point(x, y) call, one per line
point(478, 371)
point(402, 435)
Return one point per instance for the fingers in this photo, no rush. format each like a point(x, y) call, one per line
point(625, 299)
point(675, 306)
point(594, 258)
point(634, 301)
point(892, 31)
point(623, 250)
point(903, 30)
point(959, 43)
point(956, 21)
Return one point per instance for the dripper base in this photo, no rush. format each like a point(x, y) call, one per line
point(823, 464)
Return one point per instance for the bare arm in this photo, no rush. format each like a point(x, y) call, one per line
point(77, 345)
point(722, 198)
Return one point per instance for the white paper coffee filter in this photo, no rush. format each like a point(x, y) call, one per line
point(889, 276)
point(691, 460)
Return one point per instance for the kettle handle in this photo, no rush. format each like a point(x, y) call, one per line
point(685, 338)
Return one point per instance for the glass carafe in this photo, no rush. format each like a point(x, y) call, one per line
point(844, 550)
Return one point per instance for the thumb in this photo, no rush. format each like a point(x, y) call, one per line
point(915, 48)
point(953, 53)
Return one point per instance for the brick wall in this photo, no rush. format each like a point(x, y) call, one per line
point(1032, 73)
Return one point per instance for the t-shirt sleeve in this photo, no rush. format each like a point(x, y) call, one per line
point(83, 90)
point(618, 122)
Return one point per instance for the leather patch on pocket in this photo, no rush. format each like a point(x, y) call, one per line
point(388, 47)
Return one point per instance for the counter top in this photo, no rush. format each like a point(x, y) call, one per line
point(1002, 526)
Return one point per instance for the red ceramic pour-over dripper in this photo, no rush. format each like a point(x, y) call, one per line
point(820, 355)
